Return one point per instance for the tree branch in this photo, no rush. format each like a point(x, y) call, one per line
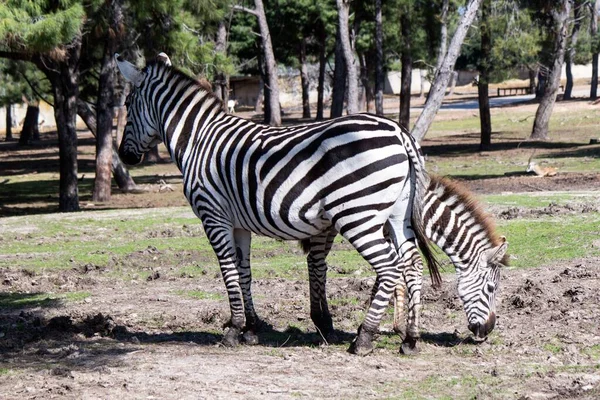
point(237, 7)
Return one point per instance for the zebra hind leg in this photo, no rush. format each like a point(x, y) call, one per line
point(385, 261)
point(319, 247)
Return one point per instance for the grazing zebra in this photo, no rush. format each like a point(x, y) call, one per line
point(351, 175)
point(455, 222)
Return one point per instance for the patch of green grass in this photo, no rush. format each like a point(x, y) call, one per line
point(200, 295)
point(6, 371)
point(537, 200)
point(553, 348)
point(535, 242)
point(593, 351)
point(23, 300)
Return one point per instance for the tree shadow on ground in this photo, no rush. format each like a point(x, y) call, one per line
point(461, 145)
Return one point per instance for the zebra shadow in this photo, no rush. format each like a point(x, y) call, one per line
point(447, 339)
point(268, 336)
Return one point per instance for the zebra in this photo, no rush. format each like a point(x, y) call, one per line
point(352, 175)
point(455, 222)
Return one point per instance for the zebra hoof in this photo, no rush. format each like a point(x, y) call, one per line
point(250, 337)
point(409, 346)
point(231, 338)
point(363, 344)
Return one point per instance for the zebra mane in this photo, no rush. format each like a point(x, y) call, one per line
point(201, 82)
point(471, 205)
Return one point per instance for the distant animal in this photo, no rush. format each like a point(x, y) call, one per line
point(532, 166)
point(352, 175)
point(231, 105)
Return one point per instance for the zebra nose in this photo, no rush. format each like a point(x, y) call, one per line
point(482, 330)
point(129, 158)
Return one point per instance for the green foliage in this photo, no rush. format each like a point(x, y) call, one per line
point(39, 26)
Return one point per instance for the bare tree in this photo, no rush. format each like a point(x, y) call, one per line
point(271, 86)
point(593, 32)
point(222, 80)
point(379, 73)
point(406, 73)
point(343, 7)
point(442, 77)
point(559, 12)
point(339, 80)
point(105, 109)
point(122, 177)
point(484, 77)
point(570, 53)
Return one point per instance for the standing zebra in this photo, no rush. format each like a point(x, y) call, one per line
point(351, 175)
point(455, 222)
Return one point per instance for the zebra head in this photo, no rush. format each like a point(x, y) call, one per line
point(140, 133)
point(478, 290)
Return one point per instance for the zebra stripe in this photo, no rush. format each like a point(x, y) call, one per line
point(454, 221)
point(352, 175)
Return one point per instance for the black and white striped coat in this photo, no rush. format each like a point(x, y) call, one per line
point(456, 223)
point(352, 175)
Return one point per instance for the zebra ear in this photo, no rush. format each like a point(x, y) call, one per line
point(162, 57)
point(129, 71)
point(495, 254)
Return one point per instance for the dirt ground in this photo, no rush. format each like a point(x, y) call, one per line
point(137, 339)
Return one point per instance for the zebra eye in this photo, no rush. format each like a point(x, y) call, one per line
point(491, 287)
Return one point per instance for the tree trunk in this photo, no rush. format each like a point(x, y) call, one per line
point(343, 7)
point(64, 77)
point(272, 85)
point(124, 181)
point(443, 35)
point(406, 73)
point(570, 52)
point(593, 33)
point(560, 18)
point(484, 77)
point(104, 108)
point(9, 135)
point(122, 113)
point(379, 72)
point(322, 65)
point(258, 105)
point(30, 126)
point(367, 97)
point(438, 89)
point(222, 79)
point(453, 79)
point(304, 80)
point(532, 74)
point(339, 80)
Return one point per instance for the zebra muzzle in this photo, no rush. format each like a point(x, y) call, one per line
point(482, 330)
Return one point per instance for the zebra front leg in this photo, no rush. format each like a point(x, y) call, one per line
point(399, 304)
point(242, 242)
point(222, 241)
point(319, 247)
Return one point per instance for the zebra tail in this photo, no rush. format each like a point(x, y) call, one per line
point(421, 184)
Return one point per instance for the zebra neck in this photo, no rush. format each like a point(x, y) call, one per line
point(184, 120)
